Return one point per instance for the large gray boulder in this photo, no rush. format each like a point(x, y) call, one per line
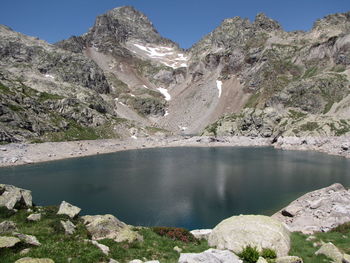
point(237, 232)
point(68, 209)
point(319, 210)
point(210, 256)
point(108, 226)
point(11, 197)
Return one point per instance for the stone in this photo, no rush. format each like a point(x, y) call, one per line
point(28, 239)
point(261, 260)
point(35, 260)
point(7, 227)
point(317, 211)
point(6, 242)
point(210, 255)
point(108, 226)
point(177, 249)
point(34, 217)
point(258, 231)
point(331, 251)
point(136, 261)
point(111, 260)
point(68, 209)
point(346, 258)
point(289, 259)
point(24, 251)
point(68, 226)
point(152, 261)
point(201, 233)
point(11, 197)
point(103, 248)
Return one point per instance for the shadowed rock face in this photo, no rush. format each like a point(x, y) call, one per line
point(233, 78)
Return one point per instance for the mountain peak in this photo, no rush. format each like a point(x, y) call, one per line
point(266, 23)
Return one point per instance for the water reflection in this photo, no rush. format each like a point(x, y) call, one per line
point(189, 187)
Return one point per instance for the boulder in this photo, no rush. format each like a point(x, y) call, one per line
point(108, 226)
point(6, 242)
point(201, 233)
point(68, 226)
point(28, 239)
point(289, 259)
point(317, 211)
point(68, 209)
point(11, 197)
point(210, 255)
point(34, 217)
point(331, 251)
point(7, 227)
point(35, 260)
point(237, 232)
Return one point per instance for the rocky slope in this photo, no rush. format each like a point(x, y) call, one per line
point(122, 79)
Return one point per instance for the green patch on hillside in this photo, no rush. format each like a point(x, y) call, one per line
point(304, 247)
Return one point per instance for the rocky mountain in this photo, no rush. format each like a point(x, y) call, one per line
point(122, 79)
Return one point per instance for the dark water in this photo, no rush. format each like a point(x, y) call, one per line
point(187, 187)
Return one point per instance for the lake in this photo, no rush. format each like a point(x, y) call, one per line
point(191, 187)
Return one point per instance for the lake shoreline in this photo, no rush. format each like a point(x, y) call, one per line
point(24, 153)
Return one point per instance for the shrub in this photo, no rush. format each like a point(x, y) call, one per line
point(343, 228)
point(175, 233)
point(249, 254)
point(268, 253)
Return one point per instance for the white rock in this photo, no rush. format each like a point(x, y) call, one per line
point(261, 260)
point(68, 209)
point(34, 217)
point(201, 233)
point(103, 248)
point(177, 249)
point(258, 231)
point(289, 259)
point(6, 242)
point(331, 251)
point(210, 256)
point(11, 196)
point(68, 226)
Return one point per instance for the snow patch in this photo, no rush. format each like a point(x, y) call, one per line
point(121, 103)
point(219, 86)
point(165, 93)
point(132, 95)
point(134, 137)
point(166, 113)
point(49, 76)
point(183, 128)
point(144, 86)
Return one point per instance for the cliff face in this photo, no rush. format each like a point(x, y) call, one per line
point(122, 78)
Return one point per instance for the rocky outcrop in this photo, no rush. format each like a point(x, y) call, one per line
point(237, 232)
point(108, 226)
point(68, 209)
point(210, 255)
point(12, 197)
point(319, 210)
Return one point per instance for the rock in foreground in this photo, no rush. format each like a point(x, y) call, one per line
point(320, 210)
point(68, 209)
point(210, 255)
point(108, 226)
point(11, 197)
point(237, 232)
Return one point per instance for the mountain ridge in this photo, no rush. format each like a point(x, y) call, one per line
point(247, 75)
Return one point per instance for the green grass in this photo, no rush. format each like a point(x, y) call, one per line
point(296, 114)
point(310, 72)
point(309, 126)
point(44, 96)
point(60, 247)
point(339, 236)
point(343, 128)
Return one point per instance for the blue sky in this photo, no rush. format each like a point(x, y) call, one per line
point(183, 21)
